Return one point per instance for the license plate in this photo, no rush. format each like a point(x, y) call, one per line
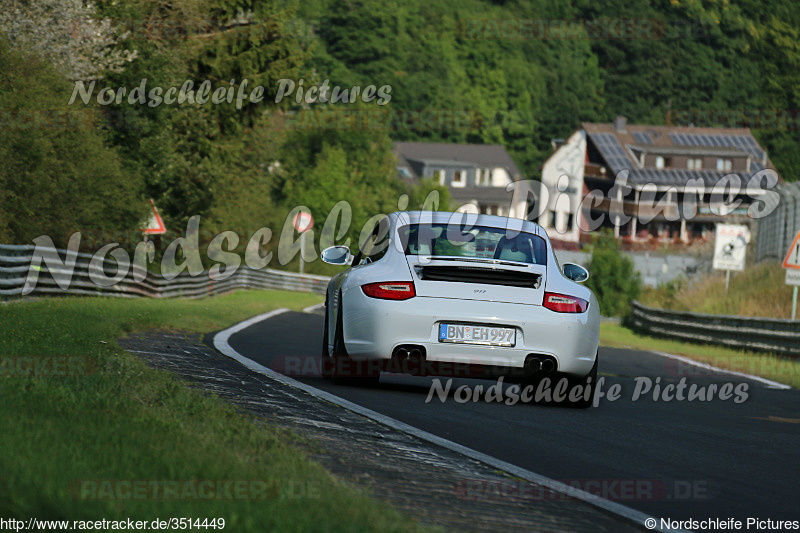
point(472, 334)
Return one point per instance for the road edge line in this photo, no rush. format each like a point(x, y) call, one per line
point(312, 308)
point(768, 382)
point(221, 343)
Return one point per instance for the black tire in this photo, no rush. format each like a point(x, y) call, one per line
point(589, 379)
point(326, 363)
point(339, 349)
point(355, 372)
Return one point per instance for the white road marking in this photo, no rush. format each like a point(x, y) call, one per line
point(312, 308)
point(221, 343)
point(768, 382)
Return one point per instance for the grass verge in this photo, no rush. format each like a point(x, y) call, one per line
point(759, 290)
point(77, 445)
point(767, 366)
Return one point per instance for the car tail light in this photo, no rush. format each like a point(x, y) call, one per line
point(561, 303)
point(390, 290)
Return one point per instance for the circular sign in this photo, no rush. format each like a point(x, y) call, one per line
point(303, 221)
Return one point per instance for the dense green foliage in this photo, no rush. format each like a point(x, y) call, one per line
point(245, 168)
point(58, 173)
point(612, 276)
point(438, 55)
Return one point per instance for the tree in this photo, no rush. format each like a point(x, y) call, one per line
point(204, 159)
point(612, 276)
point(68, 34)
point(319, 168)
point(58, 175)
point(420, 192)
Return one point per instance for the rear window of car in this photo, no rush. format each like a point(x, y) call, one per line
point(478, 242)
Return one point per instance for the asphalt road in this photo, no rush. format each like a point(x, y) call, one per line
point(673, 459)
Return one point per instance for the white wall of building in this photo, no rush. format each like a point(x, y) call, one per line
point(500, 177)
point(562, 185)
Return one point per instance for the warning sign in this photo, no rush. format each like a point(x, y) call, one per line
point(792, 259)
point(154, 224)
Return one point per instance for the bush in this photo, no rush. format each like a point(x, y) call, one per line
point(613, 278)
point(57, 174)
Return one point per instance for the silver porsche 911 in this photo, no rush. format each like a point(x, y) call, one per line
point(435, 293)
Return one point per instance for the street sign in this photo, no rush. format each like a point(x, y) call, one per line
point(792, 265)
point(154, 226)
point(730, 246)
point(303, 221)
point(792, 259)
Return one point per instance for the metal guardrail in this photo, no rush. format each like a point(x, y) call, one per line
point(776, 335)
point(15, 265)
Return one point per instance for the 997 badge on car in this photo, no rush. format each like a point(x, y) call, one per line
point(476, 334)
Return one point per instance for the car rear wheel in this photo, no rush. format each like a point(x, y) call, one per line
point(326, 363)
point(589, 380)
point(345, 370)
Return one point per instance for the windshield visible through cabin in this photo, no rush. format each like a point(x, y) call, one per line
point(479, 242)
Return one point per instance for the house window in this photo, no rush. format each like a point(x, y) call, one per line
point(724, 165)
point(694, 163)
point(483, 176)
point(438, 175)
point(490, 210)
point(458, 178)
point(663, 162)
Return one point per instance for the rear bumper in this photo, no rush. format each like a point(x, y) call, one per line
point(374, 328)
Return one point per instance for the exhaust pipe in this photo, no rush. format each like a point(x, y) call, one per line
point(548, 365)
point(408, 359)
point(532, 365)
point(416, 359)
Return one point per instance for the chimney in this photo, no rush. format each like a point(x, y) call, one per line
point(619, 124)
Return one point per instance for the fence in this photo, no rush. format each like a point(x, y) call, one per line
point(654, 268)
point(776, 231)
point(781, 336)
point(15, 265)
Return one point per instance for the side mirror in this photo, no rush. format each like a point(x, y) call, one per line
point(575, 272)
point(337, 255)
